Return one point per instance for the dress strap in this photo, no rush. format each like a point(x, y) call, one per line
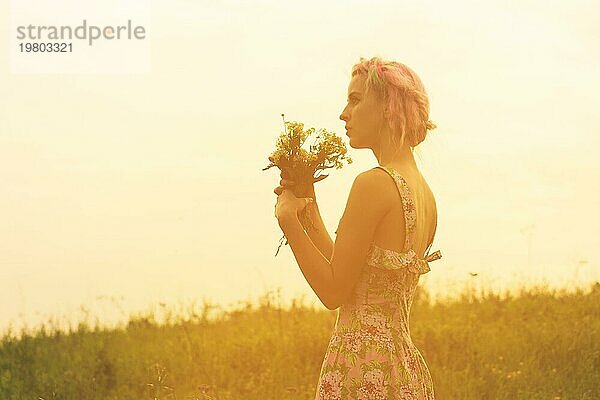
point(408, 204)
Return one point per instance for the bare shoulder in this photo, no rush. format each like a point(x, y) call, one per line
point(375, 188)
point(371, 198)
point(379, 181)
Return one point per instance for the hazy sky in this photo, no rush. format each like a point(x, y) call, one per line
point(150, 186)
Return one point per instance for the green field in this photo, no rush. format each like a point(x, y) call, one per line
point(540, 344)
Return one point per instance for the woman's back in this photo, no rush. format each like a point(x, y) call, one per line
point(390, 233)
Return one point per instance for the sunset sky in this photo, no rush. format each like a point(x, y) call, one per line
point(149, 186)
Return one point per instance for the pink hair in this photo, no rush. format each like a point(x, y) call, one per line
point(403, 94)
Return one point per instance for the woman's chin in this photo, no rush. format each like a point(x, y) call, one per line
point(352, 142)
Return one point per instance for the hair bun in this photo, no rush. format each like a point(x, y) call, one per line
point(430, 125)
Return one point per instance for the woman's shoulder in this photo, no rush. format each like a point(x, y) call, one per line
point(378, 173)
point(380, 177)
point(378, 185)
point(375, 178)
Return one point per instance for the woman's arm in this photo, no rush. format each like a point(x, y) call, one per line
point(319, 235)
point(332, 281)
point(314, 266)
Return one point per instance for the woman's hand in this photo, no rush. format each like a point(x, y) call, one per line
point(283, 184)
point(288, 205)
point(287, 183)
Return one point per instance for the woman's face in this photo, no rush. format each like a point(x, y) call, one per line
point(363, 115)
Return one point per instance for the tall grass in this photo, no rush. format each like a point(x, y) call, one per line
point(539, 344)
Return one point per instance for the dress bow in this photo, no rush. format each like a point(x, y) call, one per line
point(436, 255)
point(421, 265)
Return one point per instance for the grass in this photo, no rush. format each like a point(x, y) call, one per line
point(539, 344)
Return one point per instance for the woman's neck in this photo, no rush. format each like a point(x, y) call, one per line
point(403, 157)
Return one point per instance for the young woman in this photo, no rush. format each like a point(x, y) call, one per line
point(371, 272)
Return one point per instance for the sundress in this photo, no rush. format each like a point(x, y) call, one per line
point(371, 354)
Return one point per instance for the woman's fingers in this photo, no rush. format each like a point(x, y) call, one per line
point(286, 182)
point(283, 183)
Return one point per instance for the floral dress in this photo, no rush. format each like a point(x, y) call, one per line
point(371, 354)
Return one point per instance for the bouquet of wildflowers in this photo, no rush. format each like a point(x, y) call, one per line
point(305, 166)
